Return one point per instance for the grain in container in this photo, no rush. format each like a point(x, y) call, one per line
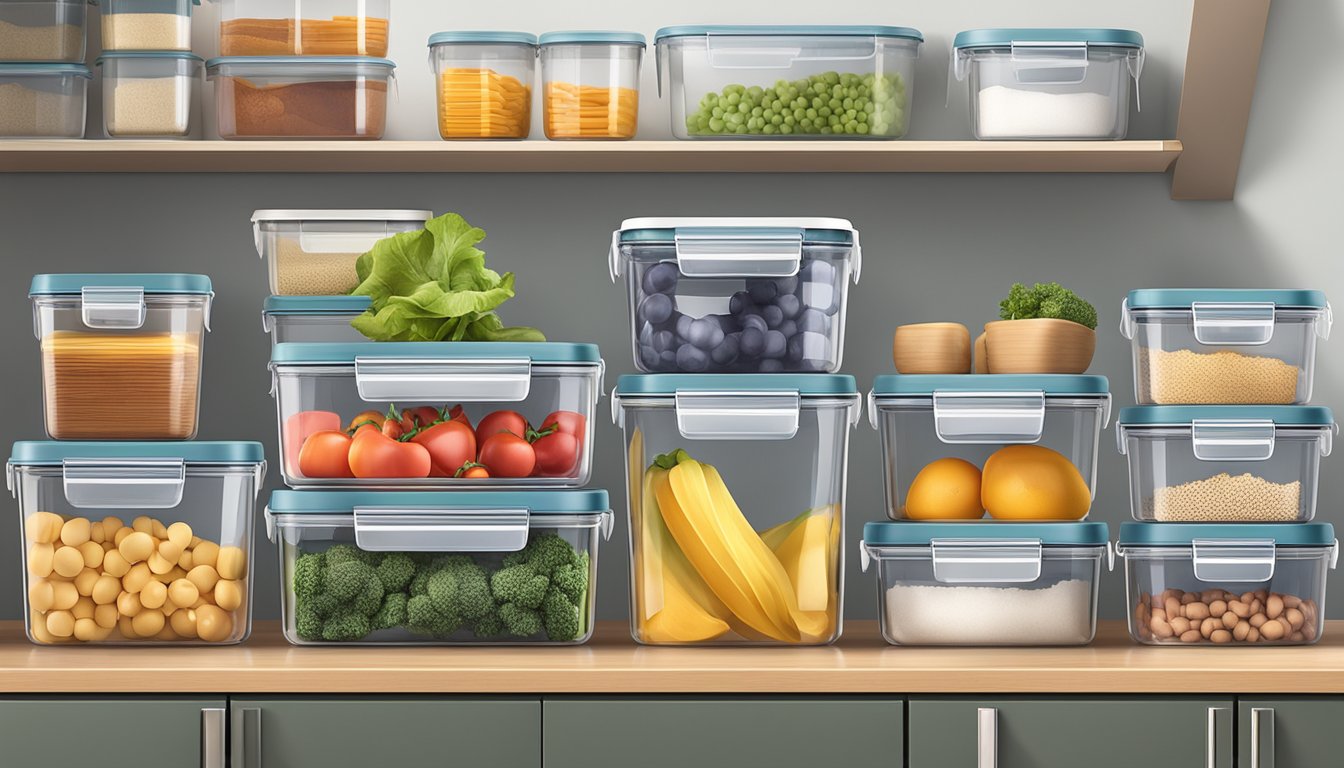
point(1020, 447)
point(590, 83)
point(1227, 583)
point(462, 414)
point(42, 30)
point(303, 27)
point(43, 101)
point(1049, 83)
point(736, 295)
point(121, 353)
point(987, 584)
point(131, 543)
point(426, 568)
point(147, 94)
point(736, 486)
point(147, 25)
point(788, 82)
point(301, 97)
point(483, 81)
point(313, 319)
point(313, 252)
point(1224, 346)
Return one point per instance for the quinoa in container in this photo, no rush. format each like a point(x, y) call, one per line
point(148, 93)
point(313, 252)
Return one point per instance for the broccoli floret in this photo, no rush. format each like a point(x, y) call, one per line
point(1047, 300)
point(561, 617)
point(520, 585)
point(307, 624)
point(349, 579)
point(572, 582)
point(420, 584)
point(443, 592)
point(422, 618)
point(473, 592)
point(392, 613)
point(520, 621)
point(346, 625)
point(396, 571)
point(308, 571)
point(340, 553)
point(547, 552)
point(321, 604)
point(489, 625)
point(370, 600)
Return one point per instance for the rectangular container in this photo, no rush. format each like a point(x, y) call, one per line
point(483, 82)
point(121, 353)
point(590, 84)
point(313, 319)
point(147, 94)
point(1049, 83)
point(1224, 346)
point(301, 97)
point(43, 101)
point(1227, 584)
point(1229, 463)
point(42, 30)
point(321, 390)
point(463, 568)
point(304, 27)
point(736, 295)
point(313, 252)
point(939, 432)
point(132, 543)
point(788, 82)
point(147, 25)
point(736, 488)
point(986, 584)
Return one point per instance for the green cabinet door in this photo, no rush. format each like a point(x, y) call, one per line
point(425, 732)
point(121, 732)
point(1113, 732)
point(722, 732)
point(1290, 731)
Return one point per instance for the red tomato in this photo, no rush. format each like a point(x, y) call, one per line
point(325, 454)
point(507, 455)
point(457, 414)
point(473, 471)
point(373, 454)
point(557, 454)
point(366, 418)
point(297, 430)
point(418, 418)
point(569, 422)
point(393, 429)
point(501, 421)
point(450, 444)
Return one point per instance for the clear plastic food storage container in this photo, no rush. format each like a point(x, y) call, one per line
point(42, 30)
point(1020, 447)
point(301, 97)
point(121, 354)
point(147, 25)
point(313, 252)
point(1225, 583)
point(1049, 83)
point(788, 82)
point(418, 415)
point(987, 584)
point(147, 94)
point(591, 84)
point(129, 543)
point(737, 496)
point(43, 101)
point(461, 568)
point(303, 27)
point(740, 295)
point(313, 319)
point(484, 83)
point(1224, 463)
point(1224, 346)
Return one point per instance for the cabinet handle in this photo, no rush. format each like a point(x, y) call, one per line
point(1211, 740)
point(987, 738)
point(212, 737)
point(1262, 737)
point(245, 740)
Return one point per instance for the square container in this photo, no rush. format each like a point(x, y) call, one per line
point(301, 97)
point(736, 486)
point(1224, 346)
point(1227, 584)
point(463, 568)
point(132, 543)
point(591, 84)
point(303, 27)
point(147, 25)
point(323, 390)
point(1049, 83)
point(42, 30)
point(313, 252)
point(121, 354)
point(1224, 463)
point(1035, 436)
point(987, 584)
point(147, 94)
point(43, 101)
point(483, 82)
point(736, 295)
point(788, 82)
point(313, 319)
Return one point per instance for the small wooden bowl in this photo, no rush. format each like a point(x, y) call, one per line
point(932, 348)
point(1039, 345)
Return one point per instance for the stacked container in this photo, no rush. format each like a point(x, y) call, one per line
point(43, 81)
point(1224, 457)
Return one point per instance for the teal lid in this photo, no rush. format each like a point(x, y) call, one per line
point(180, 55)
point(1177, 415)
point(1184, 298)
point(300, 61)
point(345, 502)
point(53, 452)
point(45, 68)
point(315, 305)
point(1051, 384)
point(893, 534)
point(335, 354)
point(482, 36)
point(997, 38)
point(669, 383)
point(592, 36)
point(664, 229)
point(152, 283)
point(1181, 534)
point(809, 30)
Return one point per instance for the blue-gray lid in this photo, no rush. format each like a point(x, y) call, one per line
point(808, 30)
point(664, 229)
point(1183, 298)
point(1181, 534)
point(345, 502)
point(820, 384)
point(538, 352)
point(997, 38)
point(579, 37)
point(893, 534)
point(482, 36)
point(152, 283)
point(45, 68)
point(1176, 415)
point(299, 61)
point(897, 384)
point(180, 55)
point(316, 305)
point(53, 452)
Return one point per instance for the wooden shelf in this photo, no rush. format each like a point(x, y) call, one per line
point(611, 663)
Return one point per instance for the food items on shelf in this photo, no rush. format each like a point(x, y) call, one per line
point(1008, 113)
point(483, 104)
point(149, 106)
point(1044, 329)
point(1225, 377)
point(932, 348)
point(337, 36)
point(146, 32)
point(354, 108)
point(1047, 300)
point(40, 42)
point(1221, 617)
point(28, 109)
point(590, 111)
point(945, 489)
point(927, 614)
point(830, 103)
point(1227, 498)
point(300, 273)
point(1032, 482)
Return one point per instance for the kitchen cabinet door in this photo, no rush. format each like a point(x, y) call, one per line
point(1067, 732)
point(1291, 731)
point(121, 732)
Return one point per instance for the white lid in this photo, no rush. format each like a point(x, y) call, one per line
point(341, 214)
point(672, 222)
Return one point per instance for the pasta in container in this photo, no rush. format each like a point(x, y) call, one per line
point(484, 83)
point(591, 84)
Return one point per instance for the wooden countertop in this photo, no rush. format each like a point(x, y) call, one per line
point(611, 664)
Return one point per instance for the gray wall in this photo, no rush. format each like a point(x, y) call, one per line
point(937, 247)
